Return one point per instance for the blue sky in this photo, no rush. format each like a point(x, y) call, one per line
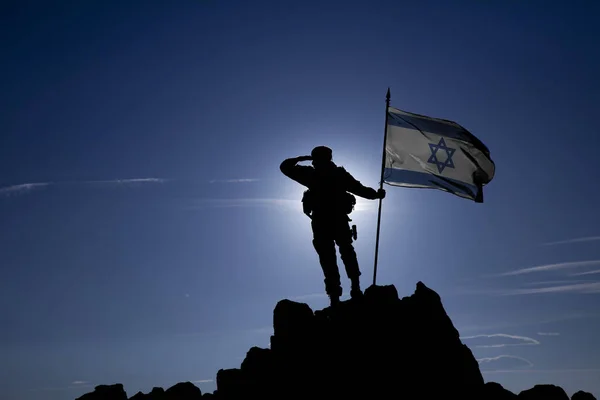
point(146, 232)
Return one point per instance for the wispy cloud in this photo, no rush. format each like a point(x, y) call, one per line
point(22, 188)
point(263, 329)
point(584, 288)
point(309, 296)
point(555, 282)
point(267, 329)
point(245, 202)
point(73, 385)
point(587, 273)
point(541, 371)
point(529, 320)
point(504, 357)
point(203, 381)
point(242, 180)
point(551, 267)
point(126, 181)
point(548, 333)
point(517, 340)
point(51, 389)
point(575, 240)
point(294, 204)
point(567, 316)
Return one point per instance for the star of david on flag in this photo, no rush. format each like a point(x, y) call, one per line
point(434, 157)
point(426, 152)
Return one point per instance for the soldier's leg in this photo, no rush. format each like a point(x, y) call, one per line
point(343, 238)
point(323, 241)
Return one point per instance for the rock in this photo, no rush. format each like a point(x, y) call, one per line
point(581, 395)
point(375, 347)
point(292, 323)
point(183, 391)
point(291, 319)
point(106, 392)
point(157, 393)
point(495, 391)
point(232, 384)
point(543, 392)
point(179, 391)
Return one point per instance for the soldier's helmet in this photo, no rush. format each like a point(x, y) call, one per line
point(322, 154)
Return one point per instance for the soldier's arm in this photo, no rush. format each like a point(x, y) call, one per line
point(299, 173)
point(355, 187)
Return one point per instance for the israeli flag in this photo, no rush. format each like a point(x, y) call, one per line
point(425, 152)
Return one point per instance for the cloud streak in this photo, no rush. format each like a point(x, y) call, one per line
point(294, 204)
point(245, 202)
point(542, 371)
point(242, 180)
point(203, 381)
point(529, 321)
point(575, 240)
point(521, 340)
point(127, 181)
point(552, 267)
point(73, 385)
point(548, 333)
point(587, 273)
point(264, 329)
point(24, 188)
point(555, 282)
point(487, 360)
point(309, 296)
point(583, 288)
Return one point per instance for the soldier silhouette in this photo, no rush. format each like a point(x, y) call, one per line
point(328, 201)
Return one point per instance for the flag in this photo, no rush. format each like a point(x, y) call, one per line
point(425, 152)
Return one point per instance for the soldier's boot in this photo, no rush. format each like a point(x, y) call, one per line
point(334, 290)
point(355, 291)
point(327, 258)
point(348, 256)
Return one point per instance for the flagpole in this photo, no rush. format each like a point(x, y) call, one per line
point(387, 105)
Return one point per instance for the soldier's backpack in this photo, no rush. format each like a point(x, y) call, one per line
point(344, 202)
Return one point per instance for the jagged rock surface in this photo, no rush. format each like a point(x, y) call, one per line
point(581, 395)
point(156, 393)
point(379, 346)
point(180, 391)
point(543, 392)
point(495, 391)
point(104, 392)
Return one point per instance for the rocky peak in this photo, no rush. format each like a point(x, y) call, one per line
point(378, 347)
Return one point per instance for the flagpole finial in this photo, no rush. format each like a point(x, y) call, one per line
point(387, 96)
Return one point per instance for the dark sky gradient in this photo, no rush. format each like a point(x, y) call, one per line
point(174, 275)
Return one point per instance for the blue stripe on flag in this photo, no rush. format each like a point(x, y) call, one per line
point(402, 177)
point(436, 127)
